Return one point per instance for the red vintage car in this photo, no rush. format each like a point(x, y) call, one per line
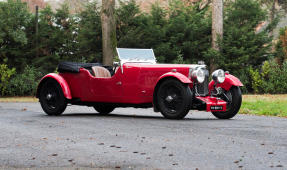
point(137, 81)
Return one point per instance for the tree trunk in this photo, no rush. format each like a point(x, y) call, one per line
point(272, 14)
point(217, 27)
point(108, 31)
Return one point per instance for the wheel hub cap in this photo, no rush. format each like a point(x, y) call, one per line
point(49, 96)
point(170, 98)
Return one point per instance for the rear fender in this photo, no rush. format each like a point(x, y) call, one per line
point(63, 83)
point(230, 81)
point(182, 78)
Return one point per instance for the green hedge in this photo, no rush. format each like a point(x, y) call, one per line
point(270, 78)
point(23, 84)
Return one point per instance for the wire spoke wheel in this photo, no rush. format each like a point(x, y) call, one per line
point(173, 99)
point(52, 98)
point(52, 95)
point(233, 99)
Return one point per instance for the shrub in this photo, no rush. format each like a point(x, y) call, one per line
point(257, 82)
point(5, 75)
point(24, 84)
point(271, 78)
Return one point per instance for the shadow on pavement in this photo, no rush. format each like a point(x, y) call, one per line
point(137, 117)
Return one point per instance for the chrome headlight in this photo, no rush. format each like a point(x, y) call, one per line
point(218, 76)
point(199, 75)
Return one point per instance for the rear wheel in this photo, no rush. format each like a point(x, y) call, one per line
point(52, 98)
point(104, 109)
point(174, 99)
point(233, 97)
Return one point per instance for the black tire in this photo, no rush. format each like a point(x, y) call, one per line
point(104, 109)
point(234, 99)
point(174, 99)
point(52, 99)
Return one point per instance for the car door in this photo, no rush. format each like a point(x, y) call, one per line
point(130, 84)
point(107, 89)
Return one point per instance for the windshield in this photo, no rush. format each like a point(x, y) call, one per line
point(136, 55)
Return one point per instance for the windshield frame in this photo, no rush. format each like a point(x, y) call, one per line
point(123, 60)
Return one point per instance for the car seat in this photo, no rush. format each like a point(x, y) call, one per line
point(101, 72)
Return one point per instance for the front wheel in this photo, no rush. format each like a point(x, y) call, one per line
point(52, 98)
point(104, 109)
point(233, 97)
point(174, 99)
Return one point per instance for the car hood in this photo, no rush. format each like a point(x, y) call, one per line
point(167, 66)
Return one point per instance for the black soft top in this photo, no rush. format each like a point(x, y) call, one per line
point(73, 67)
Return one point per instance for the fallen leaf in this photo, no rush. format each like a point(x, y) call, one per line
point(236, 162)
point(54, 154)
point(24, 109)
point(270, 152)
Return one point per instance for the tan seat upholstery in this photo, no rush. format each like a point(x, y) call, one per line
point(101, 72)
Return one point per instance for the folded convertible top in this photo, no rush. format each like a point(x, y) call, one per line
point(73, 67)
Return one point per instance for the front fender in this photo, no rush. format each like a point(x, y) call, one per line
point(63, 83)
point(176, 75)
point(230, 81)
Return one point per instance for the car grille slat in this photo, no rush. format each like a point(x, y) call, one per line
point(202, 88)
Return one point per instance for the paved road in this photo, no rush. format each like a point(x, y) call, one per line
point(138, 138)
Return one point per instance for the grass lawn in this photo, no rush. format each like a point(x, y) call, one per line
point(270, 105)
point(18, 99)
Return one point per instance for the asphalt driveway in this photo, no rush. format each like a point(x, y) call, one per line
point(138, 138)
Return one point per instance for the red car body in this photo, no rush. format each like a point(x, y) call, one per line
point(134, 84)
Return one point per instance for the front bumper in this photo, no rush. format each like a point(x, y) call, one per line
point(212, 104)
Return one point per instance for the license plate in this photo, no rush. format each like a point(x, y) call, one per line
point(216, 107)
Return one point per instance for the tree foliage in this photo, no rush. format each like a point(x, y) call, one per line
point(178, 33)
point(242, 47)
point(14, 21)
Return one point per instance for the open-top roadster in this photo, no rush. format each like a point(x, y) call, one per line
point(137, 81)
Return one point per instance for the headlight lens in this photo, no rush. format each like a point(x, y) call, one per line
point(218, 76)
point(199, 75)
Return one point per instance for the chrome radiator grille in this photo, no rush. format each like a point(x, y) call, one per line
point(201, 89)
